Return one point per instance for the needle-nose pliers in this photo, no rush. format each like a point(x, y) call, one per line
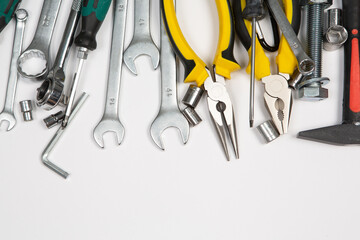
point(219, 102)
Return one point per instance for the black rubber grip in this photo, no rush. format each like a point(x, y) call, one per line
point(254, 9)
point(93, 15)
point(295, 23)
point(189, 64)
point(244, 35)
point(240, 27)
point(351, 101)
point(229, 52)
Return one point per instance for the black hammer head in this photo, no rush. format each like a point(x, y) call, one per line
point(343, 134)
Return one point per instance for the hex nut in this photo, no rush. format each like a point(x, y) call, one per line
point(313, 93)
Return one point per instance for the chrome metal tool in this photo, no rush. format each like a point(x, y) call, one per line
point(50, 93)
point(110, 121)
point(7, 114)
point(53, 142)
point(169, 114)
point(40, 46)
point(278, 100)
point(142, 43)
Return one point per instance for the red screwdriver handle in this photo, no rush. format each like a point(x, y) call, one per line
point(351, 104)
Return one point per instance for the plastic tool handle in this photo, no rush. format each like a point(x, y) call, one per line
point(7, 9)
point(195, 68)
point(254, 9)
point(286, 59)
point(262, 63)
point(224, 59)
point(351, 104)
point(243, 30)
point(93, 14)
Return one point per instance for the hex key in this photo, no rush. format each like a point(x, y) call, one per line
point(57, 136)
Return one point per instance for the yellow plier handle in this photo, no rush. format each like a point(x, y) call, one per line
point(262, 62)
point(285, 59)
point(195, 68)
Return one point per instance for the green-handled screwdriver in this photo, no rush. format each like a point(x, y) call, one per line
point(93, 14)
point(253, 11)
point(7, 10)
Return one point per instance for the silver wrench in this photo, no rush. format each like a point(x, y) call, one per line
point(305, 64)
point(110, 121)
point(57, 136)
point(169, 114)
point(50, 93)
point(39, 47)
point(142, 43)
point(7, 113)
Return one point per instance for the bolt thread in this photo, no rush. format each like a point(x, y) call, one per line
point(315, 32)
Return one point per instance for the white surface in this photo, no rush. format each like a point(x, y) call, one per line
point(289, 189)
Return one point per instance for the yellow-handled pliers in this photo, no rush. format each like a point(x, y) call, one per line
point(219, 102)
point(277, 96)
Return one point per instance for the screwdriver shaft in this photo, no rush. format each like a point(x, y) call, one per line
point(73, 91)
point(252, 76)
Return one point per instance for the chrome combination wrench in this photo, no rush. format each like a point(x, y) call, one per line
point(142, 43)
point(50, 93)
point(110, 121)
point(306, 65)
point(39, 47)
point(7, 113)
point(169, 114)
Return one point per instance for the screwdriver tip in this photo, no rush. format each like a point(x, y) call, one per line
point(64, 122)
point(251, 123)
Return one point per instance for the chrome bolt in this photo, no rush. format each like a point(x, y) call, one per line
point(315, 29)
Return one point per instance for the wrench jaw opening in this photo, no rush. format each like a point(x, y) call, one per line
point(6, 116)
point(108, 125)
point(168, 119)
point(139, 48)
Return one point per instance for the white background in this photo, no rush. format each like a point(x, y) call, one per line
point(289, 189)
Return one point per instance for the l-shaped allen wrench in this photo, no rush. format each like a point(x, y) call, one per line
point(57, 136)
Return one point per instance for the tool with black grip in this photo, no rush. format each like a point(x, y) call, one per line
point(219, 102)
point(7, 10)
point(93, 14)
point(254, 10)
point(243, 33)
point(349, 131)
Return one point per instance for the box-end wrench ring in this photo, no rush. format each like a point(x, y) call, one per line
point(7, 113)
point(50, 93)
point(305, 64)
point(40, 45)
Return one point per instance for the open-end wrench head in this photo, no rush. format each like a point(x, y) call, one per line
point(168, 119)
point(108, 125)
point(8, 117)
point(138, 48)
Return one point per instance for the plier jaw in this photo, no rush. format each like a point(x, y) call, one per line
point(221, 111)
point(278, 99)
